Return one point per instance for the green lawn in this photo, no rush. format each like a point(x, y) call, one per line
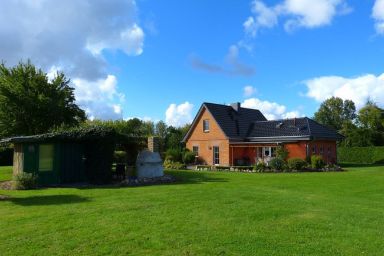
point(5, 173)
point(205, 214)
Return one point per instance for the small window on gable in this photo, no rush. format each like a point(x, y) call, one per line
point(206, 125)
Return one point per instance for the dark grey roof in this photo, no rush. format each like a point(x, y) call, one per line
point(250, 125)
point(296, 127)
point(235, 124)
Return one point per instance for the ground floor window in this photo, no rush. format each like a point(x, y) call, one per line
point(46, 153)
point(216, 155)
point(269, 151)
point(195, 149)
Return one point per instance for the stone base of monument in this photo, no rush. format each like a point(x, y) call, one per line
point(149, 165)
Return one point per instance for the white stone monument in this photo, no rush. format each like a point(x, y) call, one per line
point(149, 163)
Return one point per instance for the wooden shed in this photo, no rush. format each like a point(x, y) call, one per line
point(54, 162)
point(83, 154)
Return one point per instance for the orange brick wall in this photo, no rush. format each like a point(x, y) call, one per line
point(329, 157)
point(297, 149)
point(206, 140)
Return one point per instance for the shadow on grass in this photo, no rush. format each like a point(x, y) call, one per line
point(48, 200)
point(182, 177)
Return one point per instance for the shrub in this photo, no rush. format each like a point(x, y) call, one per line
point(243, 168)
point(221, 168)
point(173, 154)
point(120, 157)
point(317, 162)
point(171, 165)
point(188, 157)
point(25, 181)
point(277, 164)
point(260, 167)
point(296, 164)
point(360, 155)
point(281, 153)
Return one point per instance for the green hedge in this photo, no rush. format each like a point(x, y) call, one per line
point(360, 155)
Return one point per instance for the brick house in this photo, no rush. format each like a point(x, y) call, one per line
point(233, 135)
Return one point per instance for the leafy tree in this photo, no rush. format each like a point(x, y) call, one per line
point(333, 112)
point(371, 118)
point(30, 103)
point(356, 136)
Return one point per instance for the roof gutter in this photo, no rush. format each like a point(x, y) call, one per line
point(279, 139)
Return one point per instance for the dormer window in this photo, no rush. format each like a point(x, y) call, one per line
point(206, 125)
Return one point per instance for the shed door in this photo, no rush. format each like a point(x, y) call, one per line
point(72, 163)
point(31, 153)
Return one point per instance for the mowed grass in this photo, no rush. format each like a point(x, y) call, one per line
point(206, 213)
point(5, 173)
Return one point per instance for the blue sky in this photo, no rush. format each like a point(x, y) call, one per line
point(160, 60)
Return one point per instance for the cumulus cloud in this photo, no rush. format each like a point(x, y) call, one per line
point(271, 110)
point(71, 36)
point(378, 16)
point(179, 115)
point(358, 89)
point(232, 65)
point(296, 13)
point(100, 98)
point(249, 90)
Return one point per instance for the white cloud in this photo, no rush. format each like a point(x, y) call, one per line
point(378, 15)
point(178, 115)
point(71, 36)
point(271, 110)
point(249, 90)
point(296, 13)
point(99, 98)
point(358, 89)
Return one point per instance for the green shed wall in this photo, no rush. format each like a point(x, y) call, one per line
point(68, 163)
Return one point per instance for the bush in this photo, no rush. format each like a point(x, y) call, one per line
point(188, 157)
point(25, 181)
point(260, 167)
point(281, 153)
point(317, 162)
point(242, 168)
point(171, 165)
point(296, 164)
point(120, 157)
point(173, 154)
point(277, 164)
point(360, 155)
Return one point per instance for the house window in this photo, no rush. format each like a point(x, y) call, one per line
point(216, 155)
point(269, 151)
point(206, 125)
point(46, 153)
point(195, 149)
point(273, 151)
point(321, 150)
point(314, 149)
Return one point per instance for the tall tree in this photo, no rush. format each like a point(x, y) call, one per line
point(333, 112)
point(30, 103)
point(371, 118)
